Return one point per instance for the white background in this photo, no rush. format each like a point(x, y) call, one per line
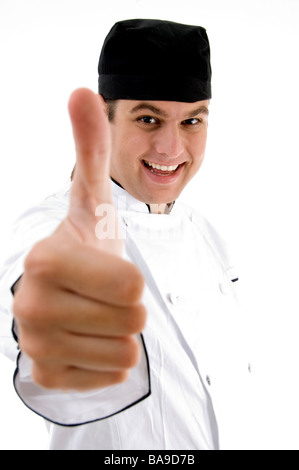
point(248, 186)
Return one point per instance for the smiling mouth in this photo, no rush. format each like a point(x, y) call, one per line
point(161, 170)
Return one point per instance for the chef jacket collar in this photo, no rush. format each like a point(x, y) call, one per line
point(125, 202)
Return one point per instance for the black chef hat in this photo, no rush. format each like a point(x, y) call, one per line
point(155, 60)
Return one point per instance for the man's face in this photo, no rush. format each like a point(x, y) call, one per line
point(157, 147)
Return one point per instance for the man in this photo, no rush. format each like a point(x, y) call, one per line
point(126, 319)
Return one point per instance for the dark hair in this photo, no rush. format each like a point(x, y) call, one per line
point(111, 105)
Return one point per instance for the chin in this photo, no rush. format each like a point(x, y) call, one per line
point(161, 198)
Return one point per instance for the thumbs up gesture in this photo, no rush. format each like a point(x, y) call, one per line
point(78, 306)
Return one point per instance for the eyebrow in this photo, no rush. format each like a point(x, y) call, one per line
point(160, 112)
point(197, 111)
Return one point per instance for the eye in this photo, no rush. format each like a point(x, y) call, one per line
point(191, 122)
point(148, 120)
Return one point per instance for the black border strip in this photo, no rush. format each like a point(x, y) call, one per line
point(12, 289)
point(13, 330)
point(94, 420)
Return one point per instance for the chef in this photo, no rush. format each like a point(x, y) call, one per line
point(124, 300)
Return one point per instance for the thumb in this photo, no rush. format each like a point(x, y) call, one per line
point(91, 193)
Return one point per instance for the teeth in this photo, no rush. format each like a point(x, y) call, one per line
point(162, 167)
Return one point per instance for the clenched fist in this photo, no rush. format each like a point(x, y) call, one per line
point(78, 306)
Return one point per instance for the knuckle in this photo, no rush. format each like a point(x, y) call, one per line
point(130, 353)
point(19, 308)
point(40, 377)
point(25, 308)
point(29, 346)
point(33, 346)
point(41, 261)
point(42, 346)
point(99, 380)
point(46, 378)
point(136, 319)
point(32, 308)
point(132, 284)
point(118, 377)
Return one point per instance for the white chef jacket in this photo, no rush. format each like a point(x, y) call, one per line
point(190, 388)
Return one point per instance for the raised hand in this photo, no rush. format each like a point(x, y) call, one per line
point(78, 306)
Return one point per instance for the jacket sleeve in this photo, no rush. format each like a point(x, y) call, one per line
point(35, 224)
point(67, 409)
point(73, 409)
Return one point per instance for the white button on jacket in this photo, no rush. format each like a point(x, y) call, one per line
point(189, 390)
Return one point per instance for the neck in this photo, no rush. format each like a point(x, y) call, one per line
point(161, 208)
point(164, 208)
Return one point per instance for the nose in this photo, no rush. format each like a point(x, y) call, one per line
point(169, 142)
